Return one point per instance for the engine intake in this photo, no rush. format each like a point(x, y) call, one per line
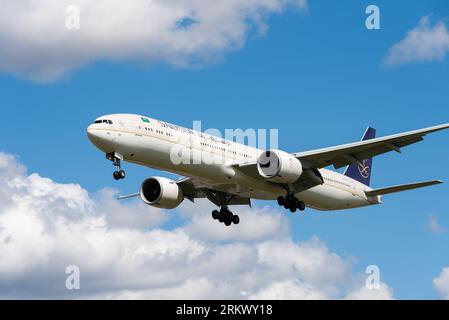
point(161, 192)
point(279, 166)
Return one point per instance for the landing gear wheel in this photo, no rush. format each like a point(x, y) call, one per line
point(227, 217)
point(281, 201)
point(116, 159)
point(291, 203)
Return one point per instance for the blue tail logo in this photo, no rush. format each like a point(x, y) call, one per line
point(362, 171)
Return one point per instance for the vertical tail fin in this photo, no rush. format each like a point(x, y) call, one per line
point(362, 171)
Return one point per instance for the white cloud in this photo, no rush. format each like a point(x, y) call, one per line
point(130, 215)
point(36, 44)
point(46, 226)
point(434, 226)
point(441, 284)
point(424, 43)
point(312, 261)
point(363, 293)
point(292, 290)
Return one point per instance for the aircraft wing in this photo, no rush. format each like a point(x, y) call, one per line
point(343, 155)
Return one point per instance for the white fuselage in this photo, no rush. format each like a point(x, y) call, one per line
point(186, 152)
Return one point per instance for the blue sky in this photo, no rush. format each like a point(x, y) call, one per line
point(319, 76)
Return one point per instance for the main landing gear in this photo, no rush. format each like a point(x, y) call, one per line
point(292, 203)
point(116, 162)
point(225, 216)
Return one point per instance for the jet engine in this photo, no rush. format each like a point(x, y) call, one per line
point(161, 192)
point(279, 166)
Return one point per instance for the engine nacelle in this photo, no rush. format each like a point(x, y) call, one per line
point(161, 192)
point(279, 166)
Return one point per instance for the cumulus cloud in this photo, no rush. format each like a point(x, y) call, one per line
point(363, 293)
point(426, 42)
point(124, 251)
point(434, 226)
point(441, 284)
point(35, 43)
point(132, 215)
point(292, 290)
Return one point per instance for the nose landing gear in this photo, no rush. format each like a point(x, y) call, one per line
point(116, 159)
point(292, 203)
point(120, 174)
point(225, 216)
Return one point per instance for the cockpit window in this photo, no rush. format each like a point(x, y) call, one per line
point(103, 121)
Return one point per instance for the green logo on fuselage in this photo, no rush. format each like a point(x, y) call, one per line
point(145, 120)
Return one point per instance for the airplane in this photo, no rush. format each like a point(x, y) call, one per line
point(296, 180)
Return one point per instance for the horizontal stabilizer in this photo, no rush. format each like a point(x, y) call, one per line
point(400, 188)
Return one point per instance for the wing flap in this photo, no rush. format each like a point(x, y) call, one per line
point(400, 188)
point(194, 189)
point(248, 168)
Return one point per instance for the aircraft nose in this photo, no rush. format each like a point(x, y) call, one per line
point(95, 136)
point(100, 138)
point(91, 133)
